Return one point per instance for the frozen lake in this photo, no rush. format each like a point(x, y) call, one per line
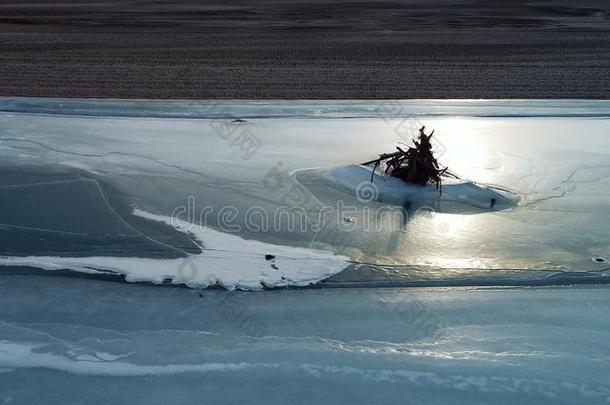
point(94, 185)
point(66, 340)
point(510, 305)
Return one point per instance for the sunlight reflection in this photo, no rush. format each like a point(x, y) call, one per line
point(462, 149)
point(451, 225)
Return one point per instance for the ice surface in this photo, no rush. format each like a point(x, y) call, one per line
point(226, 260)
point(72, 176)
point(66, 340)
point(247, 109)
point(119, 186)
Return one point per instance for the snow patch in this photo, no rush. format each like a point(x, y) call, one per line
point(226, 260)
point(24, 355)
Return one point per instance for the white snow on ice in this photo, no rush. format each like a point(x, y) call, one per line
point(226, 260)
point(22, 355)
point(19, 355)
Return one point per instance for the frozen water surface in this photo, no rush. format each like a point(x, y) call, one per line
point(95, 192)
point(73, 178)
point(71, 340)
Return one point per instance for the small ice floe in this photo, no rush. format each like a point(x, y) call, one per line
point(412, 177)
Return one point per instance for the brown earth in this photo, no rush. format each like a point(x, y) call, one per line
point(295, 49)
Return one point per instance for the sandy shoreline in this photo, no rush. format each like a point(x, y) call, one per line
point(305, 50)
